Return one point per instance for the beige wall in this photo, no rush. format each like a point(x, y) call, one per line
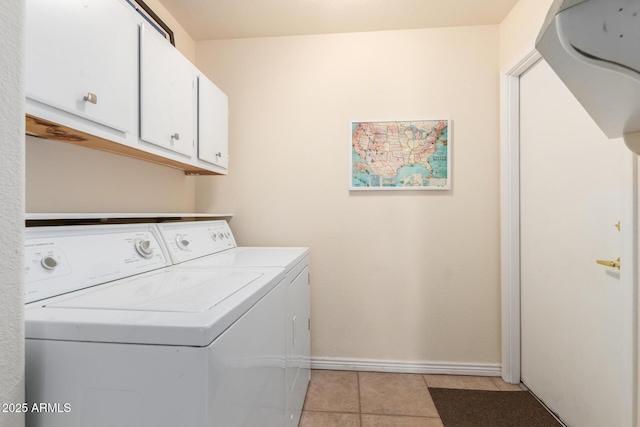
point(11, 208)
point(65, 178)
point(402, 276)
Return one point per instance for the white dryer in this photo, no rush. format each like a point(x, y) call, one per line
point(210, 245)
point(117, 338)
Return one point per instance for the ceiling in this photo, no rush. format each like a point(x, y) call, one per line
point(226, 19)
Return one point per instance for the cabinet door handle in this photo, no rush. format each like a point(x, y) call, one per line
point(176, 136)
point(218, 154)
point(91, 97)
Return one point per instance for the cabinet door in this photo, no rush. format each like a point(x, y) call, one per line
point(166, 94)
point(213, 123)
point(81, 58)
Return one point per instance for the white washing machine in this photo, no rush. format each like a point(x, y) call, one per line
point(210, 245)
point(115, 337)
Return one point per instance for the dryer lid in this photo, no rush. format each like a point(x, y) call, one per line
point(284, 257)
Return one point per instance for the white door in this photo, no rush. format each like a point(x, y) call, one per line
point(576, 315)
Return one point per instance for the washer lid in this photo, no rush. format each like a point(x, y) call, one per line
point(167, 307)
point(165, 292)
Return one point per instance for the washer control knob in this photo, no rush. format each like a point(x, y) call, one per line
point(214, 236)
point(182, 242)
point(221, 236)
point(227, 234)
point(144, 248)
point(49, 262)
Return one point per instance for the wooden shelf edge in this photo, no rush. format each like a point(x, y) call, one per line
point(87, 218)
point(46, 129)
point(104, 215)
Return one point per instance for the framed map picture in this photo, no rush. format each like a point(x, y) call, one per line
point(401, 155)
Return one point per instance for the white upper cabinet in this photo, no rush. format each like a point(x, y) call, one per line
point(213, 123)
point(81, 58)
point(97, 74)
point(167, 85)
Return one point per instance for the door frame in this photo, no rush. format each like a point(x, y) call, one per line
point(510, 236)
point(510, 215)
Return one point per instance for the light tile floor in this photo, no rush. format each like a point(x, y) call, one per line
point(376, 399)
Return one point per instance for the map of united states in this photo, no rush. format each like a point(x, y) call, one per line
point(411, 154)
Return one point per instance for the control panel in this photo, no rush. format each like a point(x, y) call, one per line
point(187, 241)
point(64, 259)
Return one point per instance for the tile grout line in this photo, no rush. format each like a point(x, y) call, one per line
point(386, 414)
point(425, 381)
point(333, 412)
point(390, 414)
point(359, 398)
point(426, 384)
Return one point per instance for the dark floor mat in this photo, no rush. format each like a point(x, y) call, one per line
point(475, 408)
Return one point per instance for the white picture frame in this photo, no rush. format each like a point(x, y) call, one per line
point(400, 154)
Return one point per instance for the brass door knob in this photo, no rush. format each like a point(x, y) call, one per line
point(612, 264)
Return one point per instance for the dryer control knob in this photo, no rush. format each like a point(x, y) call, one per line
point(49, 263)
point(182, 243)
point(214, 236)
point(144, 248)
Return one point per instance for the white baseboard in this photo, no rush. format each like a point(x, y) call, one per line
point(397, 366)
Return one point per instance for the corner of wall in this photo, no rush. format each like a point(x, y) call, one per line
point(518, 31)
point(12, 209)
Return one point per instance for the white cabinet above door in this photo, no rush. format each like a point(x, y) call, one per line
point(81, 59)
point(213, 123)
point(166, 94)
